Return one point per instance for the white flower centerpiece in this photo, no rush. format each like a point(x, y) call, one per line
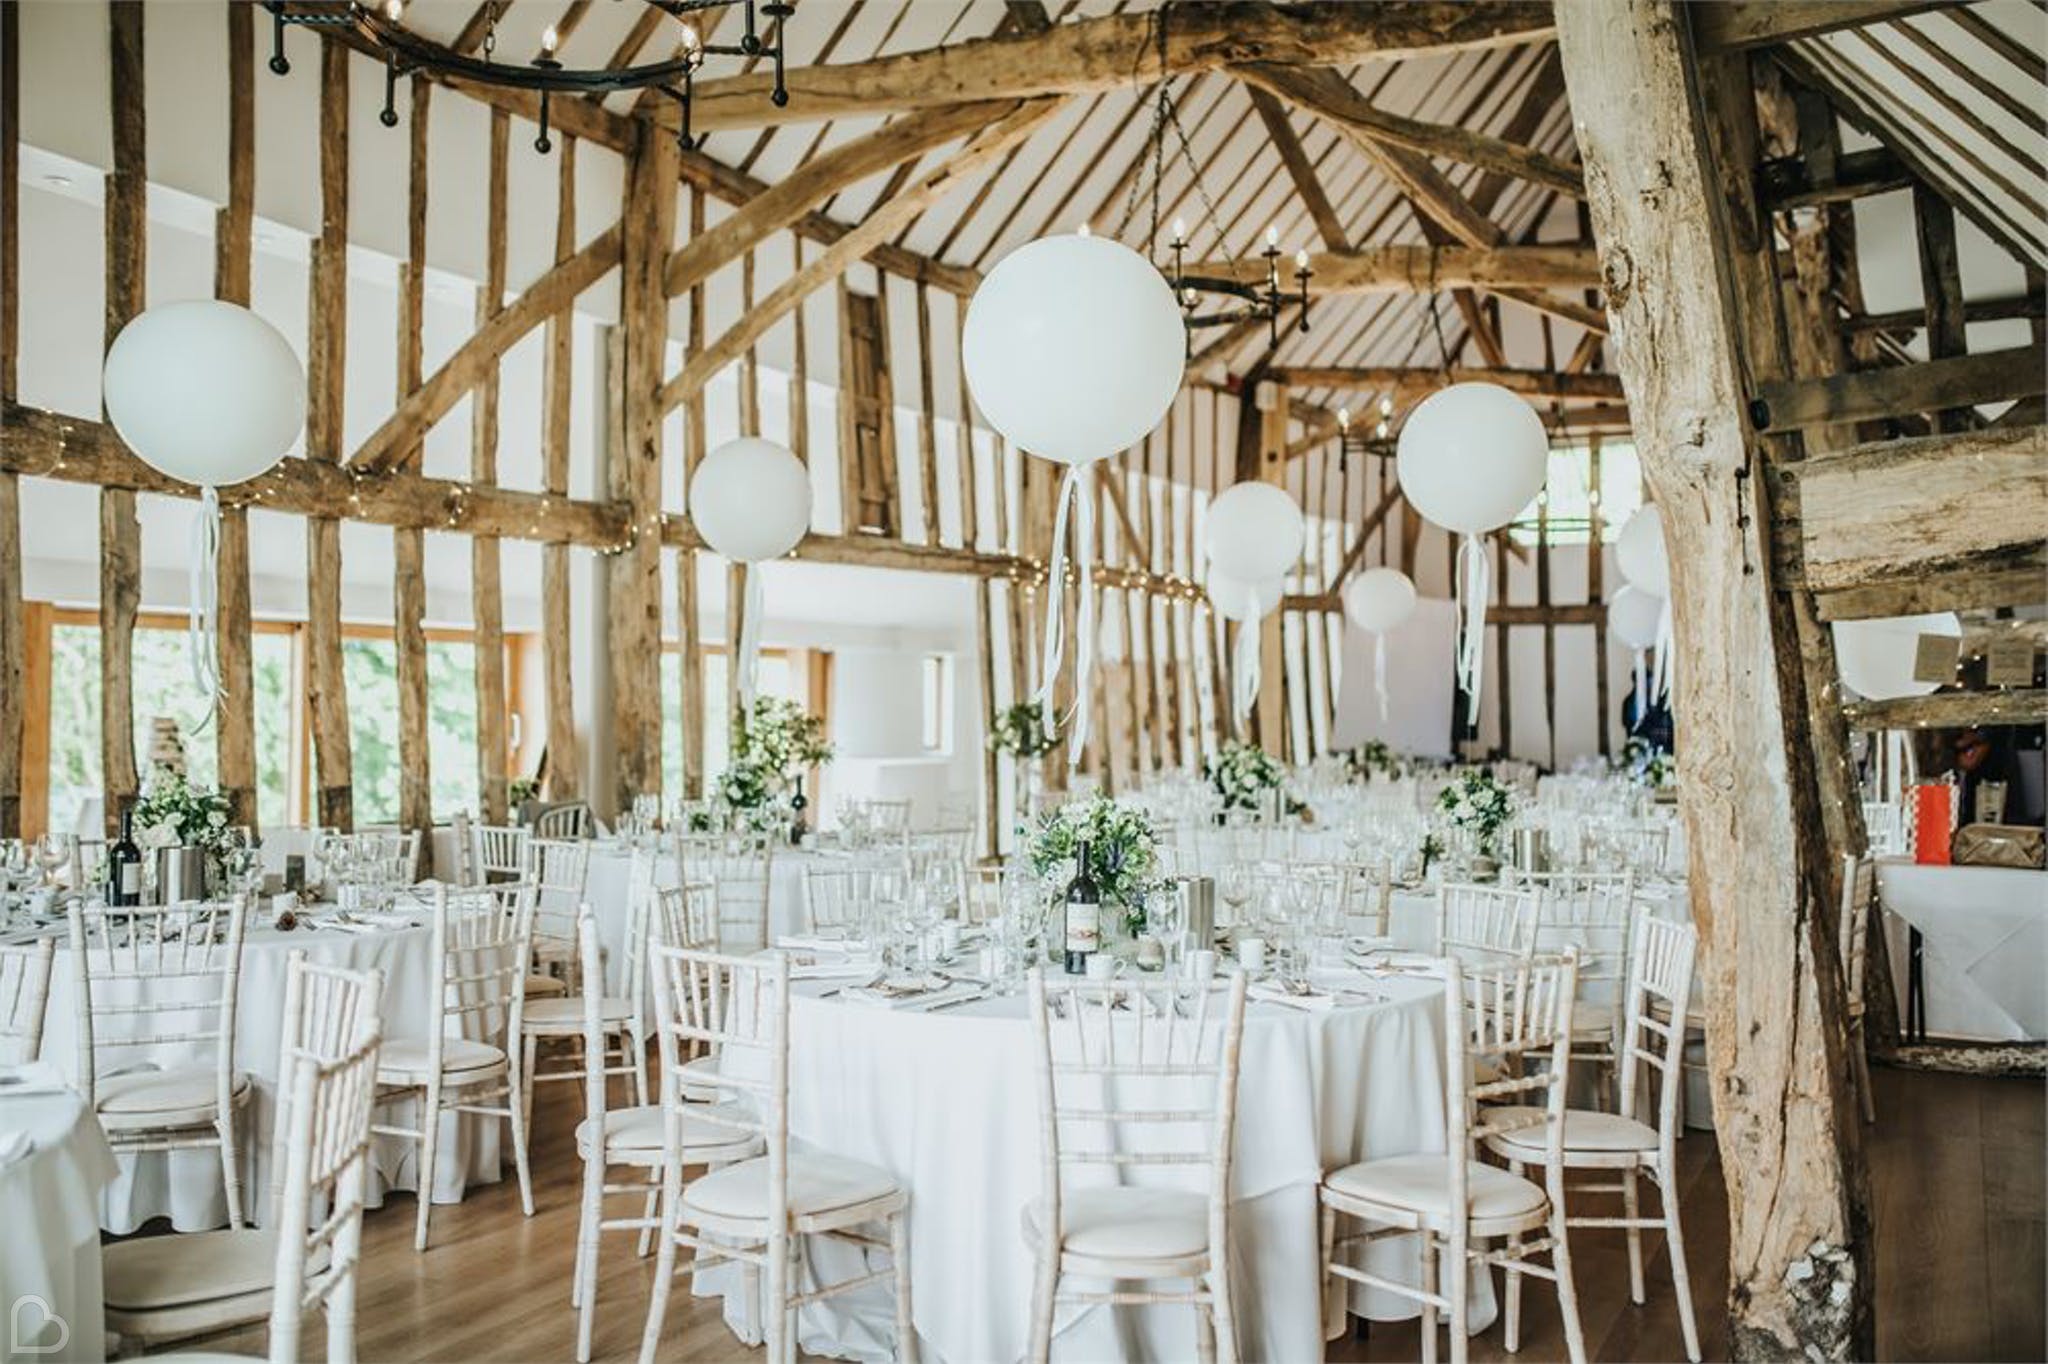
point(1247, 778)
point(1122, 854)
point(173, 813)
point(1479, 806)
point(778, 742)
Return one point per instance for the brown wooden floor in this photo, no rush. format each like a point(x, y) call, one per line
point(1957, 1166)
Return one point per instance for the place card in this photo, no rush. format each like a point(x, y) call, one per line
point(1934, 658)
point(2009, 661)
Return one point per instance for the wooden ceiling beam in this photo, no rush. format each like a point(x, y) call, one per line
point(1534, 383)
point(817, 179)
point(1287, 144)
point(1115, 51)
point(1423, 269)
point(1950, 710)
point(1738, 24)
point(1932, 386)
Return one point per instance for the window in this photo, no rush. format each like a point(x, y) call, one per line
point(777, 677)
point(370, 666)
point(937, 711)
point(1568, 493)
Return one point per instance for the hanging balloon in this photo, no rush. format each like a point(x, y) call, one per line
point(1074, 349)
point(1377, 600)
point(211, 394)
point(1639, 551)
point(1470, 458)
point(1255, 531)
point(1637, 620)
point(1876, 657)
point(751, 501)
point(1246, 603)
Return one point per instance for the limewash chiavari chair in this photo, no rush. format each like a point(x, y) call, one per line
point(159, 977)
point(890, 819)
point(482, 938)
point(1859, 893)
point(24, 990)
point(687, 916)
point(1885, 823)
point(738, 865)
point(497, 852)
point(389, 857)
point(161, 1288)
point(757, 1211)
point(327, 1169)
point(984, 902)
point(1497, 1018)
point(559, 870)
point(837, 898)
point(1597, 913)
point(1358, 891)
point(625, 1022)
point(1150, 1084)
point(1487, 925)
point(1659, 983)
point(568, 821)
point(629, 1137)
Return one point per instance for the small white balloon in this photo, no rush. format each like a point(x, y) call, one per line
point(1875, 657)
point(1255, 531)
point(751, 500)
point(1379, 599)
point(205, 391)
point(1633, 617)
point(1074, 348)
point(1471, 457)
point(1639, 551)
point(1232, 600)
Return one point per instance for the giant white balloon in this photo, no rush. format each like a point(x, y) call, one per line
point(1379, 599)
point(1255, 531)
point(1074, 347)
point(1639, 550)
point(1633, 616)
point(1472, 456)
point(1876, 656)
point(751, 500)
point(1233, 601)
point(205, 391)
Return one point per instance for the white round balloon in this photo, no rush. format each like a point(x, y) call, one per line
point(1379, 599)
point(1472, 456)
point(205, 391)
point(1234, 601)
point(1633, 616)
point(1255, 531)
point(1074, 347)
point(1639, 550)
point(1876, 656)
point(751, 500)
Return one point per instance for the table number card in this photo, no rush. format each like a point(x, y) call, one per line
point(1934, 658)
point(2009, 662)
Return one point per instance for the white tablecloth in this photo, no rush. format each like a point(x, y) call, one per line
point(1984, 958)
point(947, 1103)
point(186, 1185)
point(608, 882)
point(49, 1230)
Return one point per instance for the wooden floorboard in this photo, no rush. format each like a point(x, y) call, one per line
point(1957, 1180)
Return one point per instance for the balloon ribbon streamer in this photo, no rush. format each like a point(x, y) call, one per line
point(202, 625)
point(1474, 584)
point(750, 640)
point(1244, 666)
point(1379, 670)
point(1082, 509)
point(1664, 651)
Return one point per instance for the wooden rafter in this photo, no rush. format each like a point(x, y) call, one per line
point(1741, 24)
point(1418, 268)
point(1287, 144)
point(1400, 380)
point(1118, 50)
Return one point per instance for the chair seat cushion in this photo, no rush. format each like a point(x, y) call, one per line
point(1422, 1185)
point(539, 986)
point(1126, 1224)
point(700, 1093)
point(403, 1060)
point(179, 1096)
point(1591, 1020)
point(557, 1015)
point(636, 1132)
point(155, 1273)
point(817, 1184)
point(1584, 1130)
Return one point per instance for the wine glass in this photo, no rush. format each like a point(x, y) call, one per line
point(1235, 886)
point(53, 851)
point(1166, 922)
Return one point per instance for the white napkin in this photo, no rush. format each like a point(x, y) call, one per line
point(818, 942)
point(882, 996)
point(1317, 1001)
point(30, 1077)
point(833, 968)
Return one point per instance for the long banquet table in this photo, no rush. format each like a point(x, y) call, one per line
point(1984, 933)
point(947, 1103)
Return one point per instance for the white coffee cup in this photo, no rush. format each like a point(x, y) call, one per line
point(1251, 953)
point(1103, 967)
point(1199, 965)
point(949, 936)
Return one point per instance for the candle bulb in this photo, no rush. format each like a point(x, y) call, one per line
point(1273, 238)
point(1180, 231)
point(1386, 407)
point(548, 39)
point(394, 10)
point(690, 39)
point(1343, 419)
point(1084, 230)
point(1301, 261)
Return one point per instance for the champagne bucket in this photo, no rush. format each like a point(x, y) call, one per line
point(1532, 850)
point(1197, 908)
point(180, 875)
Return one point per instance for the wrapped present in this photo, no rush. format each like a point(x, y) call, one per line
point(1934, 817)
point(1999, 845)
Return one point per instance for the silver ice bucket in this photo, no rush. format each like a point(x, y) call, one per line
point(1197, 908)
point(1532, 850)
point(180, 875)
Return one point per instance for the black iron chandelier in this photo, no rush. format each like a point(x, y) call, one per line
point(381, 27)
point(1208, 300)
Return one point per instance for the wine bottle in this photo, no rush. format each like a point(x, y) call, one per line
point(1084, 914)
point(124, 864)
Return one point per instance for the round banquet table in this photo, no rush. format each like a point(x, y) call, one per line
point(185, 1186)
point(608, 882)
point(49, 1204)
point(947, 1103)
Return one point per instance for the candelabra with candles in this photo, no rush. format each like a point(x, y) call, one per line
point(1261, 301)
point(1377, 444)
